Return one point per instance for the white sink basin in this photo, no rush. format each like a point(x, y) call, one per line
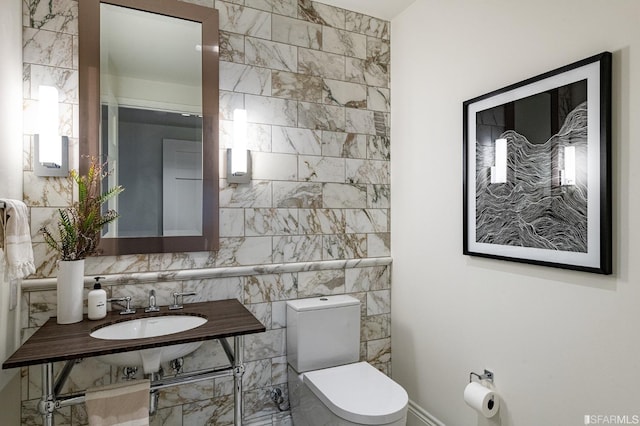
point(142, 328)
point(148, 327)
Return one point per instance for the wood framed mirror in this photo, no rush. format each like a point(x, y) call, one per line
point(148, 72)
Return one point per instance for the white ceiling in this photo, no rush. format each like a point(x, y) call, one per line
point(384, 9)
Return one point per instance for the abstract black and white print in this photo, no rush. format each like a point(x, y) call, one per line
point(534, 204)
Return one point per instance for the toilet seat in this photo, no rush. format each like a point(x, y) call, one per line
point(359, 393)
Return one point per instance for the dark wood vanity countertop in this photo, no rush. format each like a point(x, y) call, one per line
point(56, 342)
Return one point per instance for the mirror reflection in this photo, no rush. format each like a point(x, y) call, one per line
point(151, 121)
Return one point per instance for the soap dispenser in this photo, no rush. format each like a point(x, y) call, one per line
point(97, 301)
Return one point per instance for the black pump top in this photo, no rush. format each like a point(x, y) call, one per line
point(97, 285)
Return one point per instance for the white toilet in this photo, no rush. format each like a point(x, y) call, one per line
point(327, 384)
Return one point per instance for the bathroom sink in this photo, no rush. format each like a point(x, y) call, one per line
point(142, 328)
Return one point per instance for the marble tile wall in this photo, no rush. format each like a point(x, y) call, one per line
point(315, 82)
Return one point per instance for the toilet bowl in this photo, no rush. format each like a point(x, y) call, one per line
point(327, 384)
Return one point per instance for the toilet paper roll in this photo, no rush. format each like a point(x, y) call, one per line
point(481, 399)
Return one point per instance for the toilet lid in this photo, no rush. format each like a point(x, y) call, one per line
point(359, 393)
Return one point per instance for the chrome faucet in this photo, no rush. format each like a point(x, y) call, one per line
point(153, 306)
point(127, 309)
point(175, 295)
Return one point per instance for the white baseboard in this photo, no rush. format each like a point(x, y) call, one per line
point(418, 416)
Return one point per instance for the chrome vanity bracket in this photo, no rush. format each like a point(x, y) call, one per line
point(238, 372)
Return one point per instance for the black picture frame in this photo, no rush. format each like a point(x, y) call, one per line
point(537, 169)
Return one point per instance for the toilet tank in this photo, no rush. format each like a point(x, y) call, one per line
point(323, 332)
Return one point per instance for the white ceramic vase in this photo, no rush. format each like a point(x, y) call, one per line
point(70, 291)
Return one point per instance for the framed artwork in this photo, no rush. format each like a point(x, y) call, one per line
point(537, 169)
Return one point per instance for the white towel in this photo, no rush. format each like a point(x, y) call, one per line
point(17, 240)
point(120, 404)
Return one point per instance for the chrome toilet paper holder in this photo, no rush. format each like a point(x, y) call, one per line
point(488, 375)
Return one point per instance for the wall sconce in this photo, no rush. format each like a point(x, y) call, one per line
point(239, 157)
point(568, 175)
point(499, 170)
point(51, 151)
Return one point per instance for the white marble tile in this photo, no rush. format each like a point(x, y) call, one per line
point(376, 327)
point(301, 87)
point(229, 102)
point(257, 374)
point(366, 220)
point(244, 20)
point(300, 195)
point(322, 64)
point(367, 171)
point(265, 5)
point(271, 221)
point(285, 7)
point(352, 95)
point(167, 417)
point(231, 222)
point(269, 288)
point(378, 302)
point(378, 196)
point(296, 32)
point(367, 279)
point(321, 117)
point(244, 251)
point(269, 54)
point(279, 370)
point(339, 144)
point(360, 121)
point(116, 264)
point(214, 289)
point(63, 79)
point(270, 166)
point(378, 50)
point(379, 244)
point(344, 246)
point(344, 43)
point(46, 191)
point(296, 248)
point(278, 314)
point(379, 99)
point(314, 168)
point(254, 194)
point(42, 216)
point(184, 394)
point(367, 25)
point(379, 351)
point(321, 13)
point(320, 283)
point(344, 195)
point(175, 261)
point(292, 140)
point(322, 221)
point(378, 148)
point(47, 48)
point(367, 71)
point(265, 110)
point(59, 16)
point(216, 411)
point(231, 47)
point(271, 343)
point(245, 79)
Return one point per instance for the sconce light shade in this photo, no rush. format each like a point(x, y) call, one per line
point(238, 157)
point(51, 155)
point(569, 173)
point(499, 170)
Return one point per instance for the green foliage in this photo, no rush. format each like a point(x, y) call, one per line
point(80, 226)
